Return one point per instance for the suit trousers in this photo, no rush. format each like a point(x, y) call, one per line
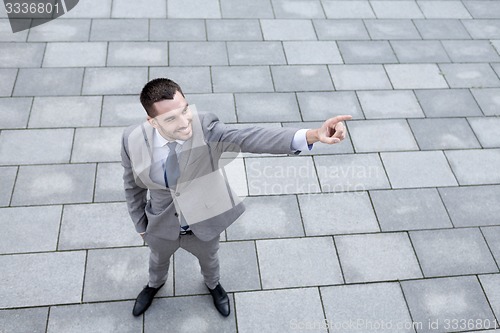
point(162, 249)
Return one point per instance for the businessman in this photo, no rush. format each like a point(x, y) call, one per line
point(175, 156)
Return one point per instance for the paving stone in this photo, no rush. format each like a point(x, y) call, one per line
point(139, 9)
point(7, 79)
point(114, 274)
point(341, 29)
point(27, 234)
point(61, 30)
point(6, 34)
point(415, 76)
point(109, 183)
point(391, 29)
point(447, 103)
point(193, 9)
point(496, 68)
point(74, 111)
point(91, 9)
point(185, 314)
point(234, 257)
point(75, 54)
point(220, 104)
point(94, 318)
point(281, 175)
point(35, 146)
point(256, 53)
point(322, 216)
point(46, 82)
point(359, 77)
point(41, 279)
point(54, 184)
point(297, 9)
point(418, 169)
point(483, 29)
point(488, 100)
point(420, 51)
point(396, 9)
point(15, 112)
point(177, 30)
point(267, 107)
point(191, 79)
point(399, 210)
point(443, 133)
point(119, 30)
point(381, 135)
point(298, 262)
point(486, 130)
point(319, 148)
point(21, 54)
point(452, 252)
point(367, 52)
point(7, 178)
point(444, 9)
point(348, 9)
point(137, 54)
point(257, 224)
point(302, 78)
point(96, 226)
point(97, 144)
point(377, 257)
point(24, 320)
point(490, 285)
point(483, 9)
point(323, 105)
point(242, 79)
point(235, 171)
point(469, 172)
point(341, 173)
point(492, 236)
point(198, 53)
point(233, 30)
point(366, 306)
point(122, 111)
point(435, 303)
point(472, 205)
point(441, 29)
point(117, 80)
point(246, 9)
point(289, 29)
point(470, 51)
point(312, 52)
point(286, 311)
point(389, 104)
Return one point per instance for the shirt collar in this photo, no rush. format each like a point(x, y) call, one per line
point(160, 141)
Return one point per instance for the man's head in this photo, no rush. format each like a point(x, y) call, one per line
point(167, 109)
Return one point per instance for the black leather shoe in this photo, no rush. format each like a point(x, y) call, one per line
point(221, 301)
point(144, 300)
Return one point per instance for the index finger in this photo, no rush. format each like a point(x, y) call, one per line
point(337, 119)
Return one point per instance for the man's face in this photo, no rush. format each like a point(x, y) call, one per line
point(173, 120)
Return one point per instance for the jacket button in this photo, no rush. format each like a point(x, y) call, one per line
point(177, 194)
point(176, 214)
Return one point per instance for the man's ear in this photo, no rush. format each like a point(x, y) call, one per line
point(153, 122)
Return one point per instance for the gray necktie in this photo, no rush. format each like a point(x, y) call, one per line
point(172, 170)
point(172, 173)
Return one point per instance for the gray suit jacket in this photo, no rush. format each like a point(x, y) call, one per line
point(202, 194)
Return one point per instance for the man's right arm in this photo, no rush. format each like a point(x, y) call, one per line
point(134, 194)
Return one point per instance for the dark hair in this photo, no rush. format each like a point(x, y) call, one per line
point(157, 90)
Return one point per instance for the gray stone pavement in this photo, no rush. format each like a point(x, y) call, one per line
point(396, 229)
